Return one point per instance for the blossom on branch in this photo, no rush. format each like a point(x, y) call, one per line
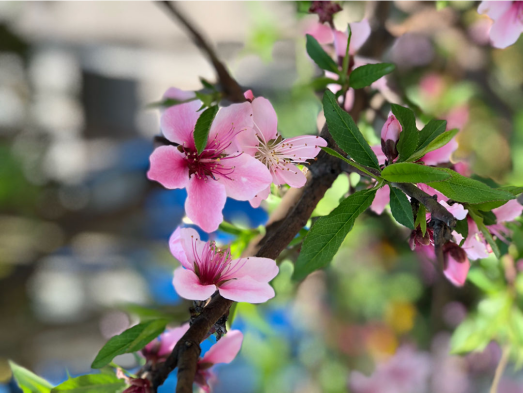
point(206, 268)
point(219, 171)
point(279, 155)
point(160, 348)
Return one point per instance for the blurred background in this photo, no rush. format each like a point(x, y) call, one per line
point(83, 252)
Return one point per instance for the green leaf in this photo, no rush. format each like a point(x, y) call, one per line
point(202, 127)
point(421, 219)
point(408, 140)
point(207, 84)
point(463, 229)
point(430, 131)
point(319, 55)
point(438, 142)
point(333, 153)
point(91, 383)
point(367, 74)
point(346, 133)
point(327, 234)
point(401, 207)
point(28, 381)
point(345, 62)
point(407, 172)
point(512, 190)
point(463, 189)
point(132, 340)
point(488, 206)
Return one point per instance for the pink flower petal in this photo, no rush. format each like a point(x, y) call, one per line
point(456, 209)
point(431, 191)
point(177, 94)
point(377, 149)
point(248, 179)
point(265, 119)
point(225, 350)
point(340, 39)
point(360, 32)
point(261, 196)
point(260, 269)
point(247, 142)
point(187, 285)
point(204, 203)
point(168, 167)
point(170, 337)
point(302, 148)
point(289, 175)
point(441, 155)
point(381, 200)
point(507, 29)
point(178, 122)
point(457, 272)
point(248, 94)
point(508, 212)
point(176, 248)
point(475, 249)
point(321, 32)
point(247, 289)
point(230, 121)
point(494, 9)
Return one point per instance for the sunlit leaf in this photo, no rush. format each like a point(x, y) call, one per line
point(406, 172)
point(28, 381)
point(441, 140)
point(91, 383)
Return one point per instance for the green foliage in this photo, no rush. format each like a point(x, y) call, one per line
point(319, 55)
point(441, 140)
point(29, 382)
point(421, 219)
point(132, 340)
point(202, 127)
point(92, 383)
point(408, 140)
point(367, 74)
point(401, 208)
point(462, 228)
point(320, 84)
point(512, 190)
point(327, 234)
point(346, 133)
point(406, 172)
point(352, 163)
point(430, 131)
point(463, 189)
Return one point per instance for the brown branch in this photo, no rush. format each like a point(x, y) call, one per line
point(232, 90)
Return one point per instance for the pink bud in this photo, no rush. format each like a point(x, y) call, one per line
point(457, 264)
point(389, 137)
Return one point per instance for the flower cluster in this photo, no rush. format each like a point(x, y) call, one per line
point(244, 154)
point(507, 21)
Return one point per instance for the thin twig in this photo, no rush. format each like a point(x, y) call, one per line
point(500, 368)
point(230, 87)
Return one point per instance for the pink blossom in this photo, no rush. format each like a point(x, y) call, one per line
point(224, 351)
point(279, 155)
point(456, 209)
point(441, 155)
point(381, 200)
point(158, 349)
point(457, 264)
point(389, 137)
point(507, 21)
point(218, 172)
point(508, 212)
point(205, 269)
point(407, 371)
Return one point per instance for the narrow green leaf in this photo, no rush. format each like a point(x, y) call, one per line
point(207, 84)
point(401, 208)
point(408, 140)
point(462, 228)
point(463, 189)
point(91, 383)
point(202, 127)
point(333, 153)
point(28, 381)
point(327, 234)
point(421, 219)
point(430, 131)
point(438, 142)
point(319, 55)
point(367, 74)
point(346, 133)
point(322, 82)
point(407, 172)
point(132, 340)
point(345, 62)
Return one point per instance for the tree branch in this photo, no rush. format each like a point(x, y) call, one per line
point(232, 90)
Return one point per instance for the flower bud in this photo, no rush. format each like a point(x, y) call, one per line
point(456, 264)
point(389, 137)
